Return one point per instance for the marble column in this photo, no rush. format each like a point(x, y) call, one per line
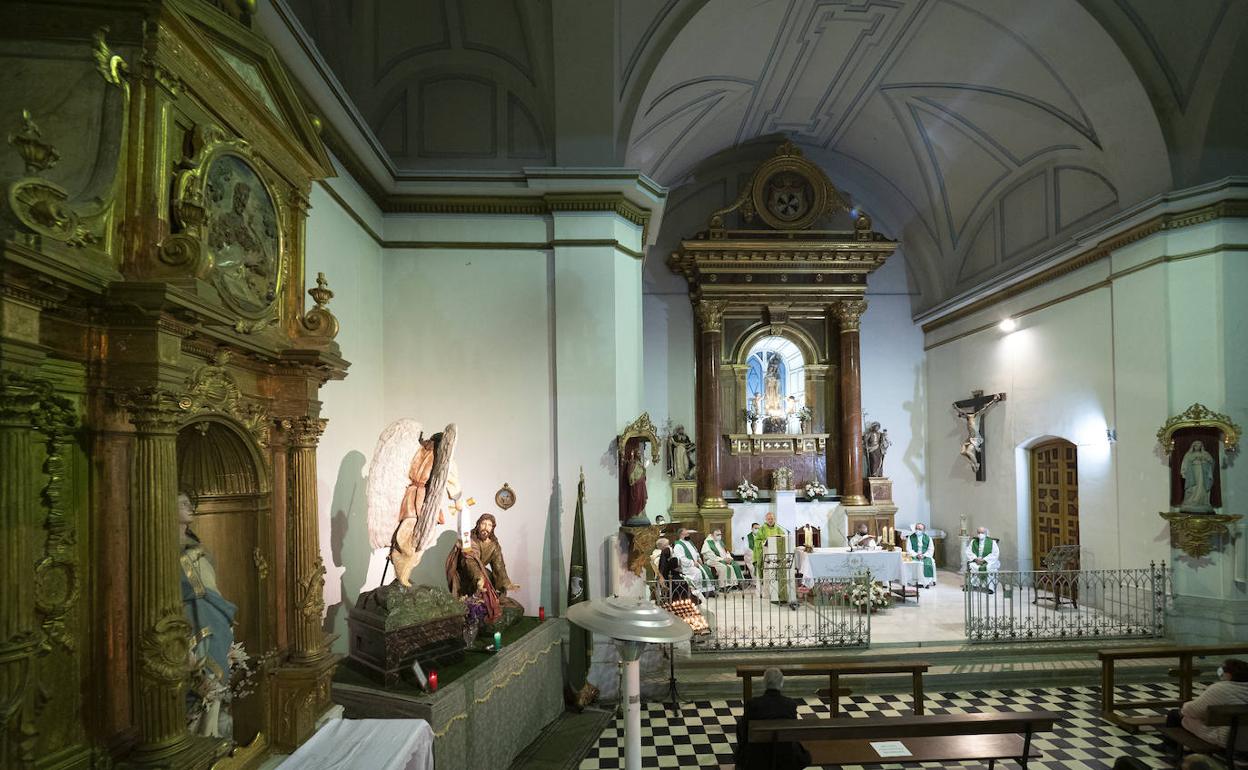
point(159, 626)
point(307, 599)
point(710, 317)
point(849, 313)
point(19, 639)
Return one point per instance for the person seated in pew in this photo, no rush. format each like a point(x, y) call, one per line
point(1231, 689)
point(673, 585)
point(1200, 762)
point(772, 704)
point(863, 540)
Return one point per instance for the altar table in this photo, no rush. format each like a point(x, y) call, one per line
point(884, 566)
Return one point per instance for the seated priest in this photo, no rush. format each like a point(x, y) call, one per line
point(750, 539)
point(717, 556)
point(672, 584)
point(700, 576)
point(983, 560)
point(863, 540)
point(922, 549)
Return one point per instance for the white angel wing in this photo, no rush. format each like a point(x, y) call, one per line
point(387, 478)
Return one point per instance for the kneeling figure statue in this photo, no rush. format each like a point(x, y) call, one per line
point(479, 570)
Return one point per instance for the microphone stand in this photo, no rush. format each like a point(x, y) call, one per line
point(673, 693)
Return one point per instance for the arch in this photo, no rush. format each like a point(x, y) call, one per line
point(1024, 488)
point(793, 333)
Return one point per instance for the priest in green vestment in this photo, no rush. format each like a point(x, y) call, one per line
point(695, 571)
point(983, 560)
point(717, 556)
point(775, 579)
point(922, 549)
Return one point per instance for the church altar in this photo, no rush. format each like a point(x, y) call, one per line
point(885, 566)
point(381, 744)
point(487, 709)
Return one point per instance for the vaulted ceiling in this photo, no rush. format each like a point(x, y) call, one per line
point(982, 133)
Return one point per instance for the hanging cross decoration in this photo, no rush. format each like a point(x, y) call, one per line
point(972, 410)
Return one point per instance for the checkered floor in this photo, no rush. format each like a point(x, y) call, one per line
point(703, 733)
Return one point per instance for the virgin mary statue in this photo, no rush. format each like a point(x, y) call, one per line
point(1197, 472)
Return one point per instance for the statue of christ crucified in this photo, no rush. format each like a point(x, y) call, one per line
point(971, 410)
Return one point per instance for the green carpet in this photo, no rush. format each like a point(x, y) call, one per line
point(564, 742)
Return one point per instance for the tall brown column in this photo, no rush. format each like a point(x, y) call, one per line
point(307, 603)
point(849, 313)
point(710, 315)
point(18, 522)
point(158, 625)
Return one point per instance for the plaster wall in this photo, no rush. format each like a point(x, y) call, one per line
point(1122, 343)
point(352, 262)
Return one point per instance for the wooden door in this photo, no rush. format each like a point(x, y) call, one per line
point(1054, 498)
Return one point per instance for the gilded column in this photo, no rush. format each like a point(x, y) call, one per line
point(19, 639)
point(159, 627)
point(307, 600)
point(849, 314)
point(710, 315)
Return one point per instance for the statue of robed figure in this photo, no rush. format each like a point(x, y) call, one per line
point(479, 569)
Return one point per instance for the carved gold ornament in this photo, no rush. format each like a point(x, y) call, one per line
point(319, 321)
point(644, 429)
point(1200, 416)
point(164, 650)
point(787, 192)
point(229, 225)
point(1195, 533)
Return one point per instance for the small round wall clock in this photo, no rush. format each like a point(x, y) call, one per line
point(505, 497)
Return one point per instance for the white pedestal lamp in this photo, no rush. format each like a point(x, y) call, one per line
point(632, 623)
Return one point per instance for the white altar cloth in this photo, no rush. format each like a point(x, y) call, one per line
point(842, 562)
point(377, 744)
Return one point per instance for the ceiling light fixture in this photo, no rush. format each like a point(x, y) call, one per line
point(1008, 325)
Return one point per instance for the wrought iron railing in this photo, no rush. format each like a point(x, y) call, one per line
point(813, 614)
point(1066, 604)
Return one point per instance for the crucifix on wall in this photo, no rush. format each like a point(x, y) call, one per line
point(972, 410)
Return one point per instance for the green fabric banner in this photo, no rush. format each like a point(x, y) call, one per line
point(581, 644)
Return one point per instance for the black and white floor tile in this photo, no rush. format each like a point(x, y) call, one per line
point(702, 733)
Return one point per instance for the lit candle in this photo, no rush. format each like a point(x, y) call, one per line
point(498, 640)
point(541, 613)
point(433, 681)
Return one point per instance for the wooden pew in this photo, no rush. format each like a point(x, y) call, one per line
point(940, 738)
point(834, 671)
point(1186, 673)
point(1233, 716)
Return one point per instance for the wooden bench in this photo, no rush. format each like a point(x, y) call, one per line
point(941, 738)
point(1234, 717)
point(834, 671)
point(1110, 707)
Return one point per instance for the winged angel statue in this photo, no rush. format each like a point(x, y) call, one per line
point(407, 481)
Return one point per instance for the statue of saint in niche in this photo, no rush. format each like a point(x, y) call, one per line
point(773, 401)
point(1197, 472)
point(681, 456)
point(211, 616)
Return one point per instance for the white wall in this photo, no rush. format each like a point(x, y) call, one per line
point(351, 260)
point(1125, 342)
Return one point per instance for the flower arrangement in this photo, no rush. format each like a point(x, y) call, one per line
point(474, 617)
point(814, 490)
point(747, 491)
point(873, 593)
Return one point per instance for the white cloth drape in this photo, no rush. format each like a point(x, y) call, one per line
point(376, 744)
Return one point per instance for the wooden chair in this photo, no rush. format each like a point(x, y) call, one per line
point(1061, 564)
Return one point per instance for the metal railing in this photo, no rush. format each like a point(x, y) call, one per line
point(1069, 605)
point(785, 614)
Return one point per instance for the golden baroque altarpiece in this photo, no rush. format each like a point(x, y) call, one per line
point(154, 339)
point(762, 269)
